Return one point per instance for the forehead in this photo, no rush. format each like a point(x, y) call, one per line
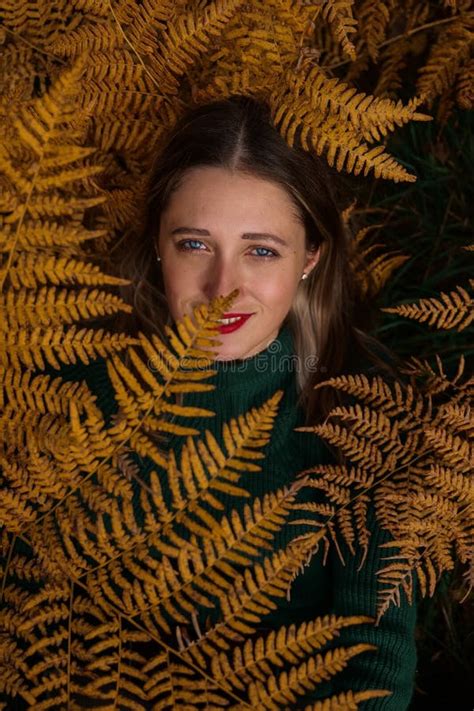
point(219, 195)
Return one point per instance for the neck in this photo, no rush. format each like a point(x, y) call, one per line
point(271, 367)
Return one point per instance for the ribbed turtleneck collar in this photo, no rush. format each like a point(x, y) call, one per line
point(268, 369)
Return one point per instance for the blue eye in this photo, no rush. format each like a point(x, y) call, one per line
point(181, 245)
point(186, 249)
point(271, 253)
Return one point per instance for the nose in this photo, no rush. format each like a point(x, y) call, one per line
point(221, 277)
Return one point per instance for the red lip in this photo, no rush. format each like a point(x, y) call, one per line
point(228, 328)
point(234, 314)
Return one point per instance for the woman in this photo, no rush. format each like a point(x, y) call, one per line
point(232, 206)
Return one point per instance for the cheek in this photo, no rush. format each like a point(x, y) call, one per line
point(279, 289)
point(176, 287)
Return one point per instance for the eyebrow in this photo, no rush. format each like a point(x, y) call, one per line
point(246, 235)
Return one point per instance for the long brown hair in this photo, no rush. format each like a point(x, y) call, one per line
point(328, 318)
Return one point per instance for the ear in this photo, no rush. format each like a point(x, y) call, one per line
point(312, 258)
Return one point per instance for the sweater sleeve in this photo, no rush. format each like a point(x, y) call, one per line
point(355, 592)
point(392, 666)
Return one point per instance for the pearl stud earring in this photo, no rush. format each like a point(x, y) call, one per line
point(158, 258)
point(305, 276)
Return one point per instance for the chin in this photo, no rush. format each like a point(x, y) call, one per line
point(226, 356)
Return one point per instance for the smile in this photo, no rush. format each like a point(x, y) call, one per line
point(232, 323)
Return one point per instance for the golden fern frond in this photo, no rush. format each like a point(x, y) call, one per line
point(318, 632)
point(44, 235)
point(349, 511)
point(373, 424)
point(380, 270)
point(99, 659)
point(34, 128)
point(194, 32)
point(222, 546)
point(397, 51)
point(251, 596)
point(117, 79)
point(36, 432)
point(425, 550)
point(32, 270)
point(342, 23)
point(377, 392)
point(20, 566)
point(322, 42)
point(31, 485)
point(285, 688)
point(145, 22)
point(10, 677)
point(172, 689)
point(111, 664)
point(293, 15)
point(28, 392)
point(27, 491)
point(253, 659)
point(254, 48)
point(35, 186)
point(457, 416)
point(87, 38)
point(453, 450)
point(373, 116)
point(176, 685)
point(337, 474)
point(373, 21)
point(457, 485)
point(340, 144)
point(96, 497)
point(112, 132)
point(360, 450)
point(252, 663)
point(52, 306)
point(454, 311)
point(14, 66)
point(241, 441)
point(438, 382)
point(392, 62)
point(190, 346)
point(451, 49)
point(347, 700)
point(416, 456)
point(59, 655)
point(465, 82)
point(376, 271)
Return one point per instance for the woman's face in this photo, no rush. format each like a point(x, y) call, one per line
point(208, 245)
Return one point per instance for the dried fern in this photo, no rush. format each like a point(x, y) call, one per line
point(414, 451)
point(454, 311)
point(99, 564)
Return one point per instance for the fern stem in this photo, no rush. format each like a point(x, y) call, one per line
point(137, 54)
point(117, 686)
point(7, 563)
point(221, 303)
point(20, 224)
point(164, 645)
point(37, 49)
point(69, 647)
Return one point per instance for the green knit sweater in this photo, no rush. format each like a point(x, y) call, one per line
point(320, 589)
